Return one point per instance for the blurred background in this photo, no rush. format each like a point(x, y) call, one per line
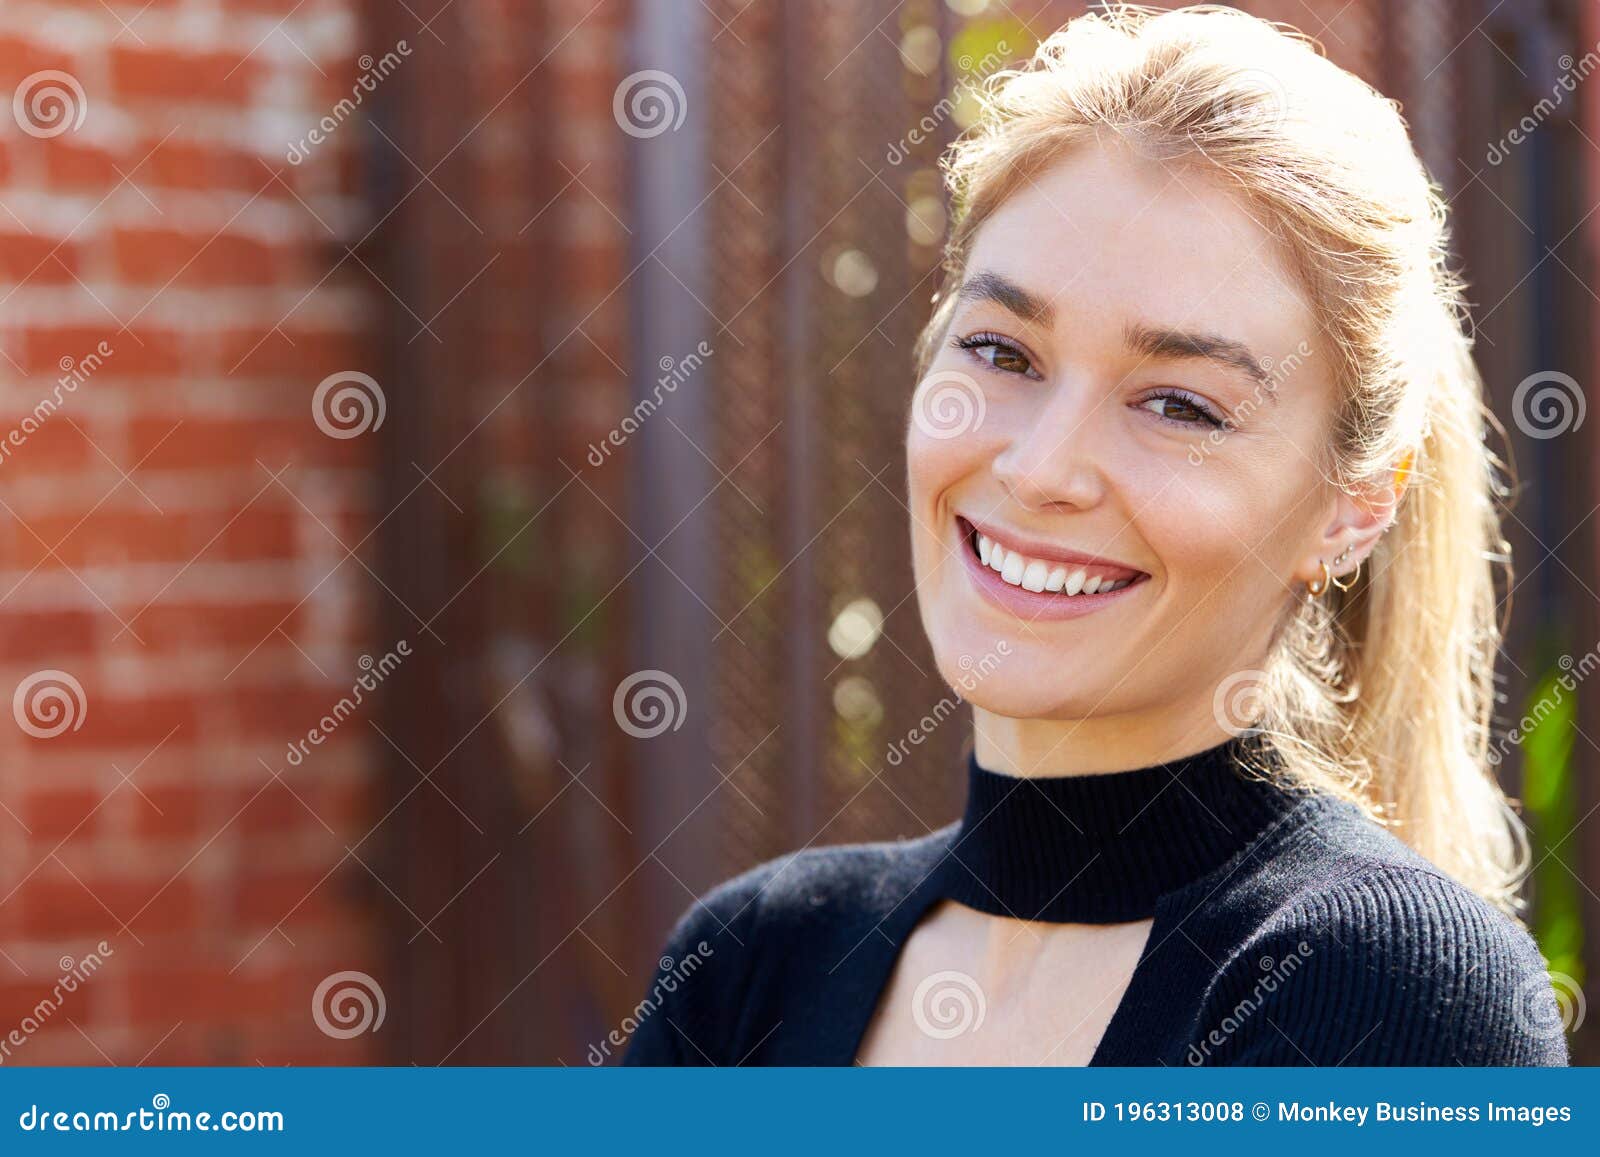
point(452, 506)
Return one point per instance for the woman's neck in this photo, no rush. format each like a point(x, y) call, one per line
point(1047, 747)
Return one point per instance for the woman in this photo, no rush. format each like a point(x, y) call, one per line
point(1197, 465)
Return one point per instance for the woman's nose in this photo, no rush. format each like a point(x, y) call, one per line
point(1054, 459)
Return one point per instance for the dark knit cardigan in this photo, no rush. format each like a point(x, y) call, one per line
point(1288, 929)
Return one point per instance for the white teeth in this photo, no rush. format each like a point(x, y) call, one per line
point(1037, 575)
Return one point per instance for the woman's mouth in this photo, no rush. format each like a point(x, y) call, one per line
point(1042, 585)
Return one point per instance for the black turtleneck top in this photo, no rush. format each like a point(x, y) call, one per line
point(1287, 929)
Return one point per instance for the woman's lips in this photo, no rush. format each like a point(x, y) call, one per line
point(1031, 604)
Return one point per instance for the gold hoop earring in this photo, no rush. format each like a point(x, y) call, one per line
point(1317, 586)
point(1350, 579)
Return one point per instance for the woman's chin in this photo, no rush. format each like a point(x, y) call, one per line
point(1014, 691)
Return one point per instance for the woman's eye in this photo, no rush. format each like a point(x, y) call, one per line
point(1176, 408)
point(1002, 355)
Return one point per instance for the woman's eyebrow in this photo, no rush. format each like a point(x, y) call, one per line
point(1008, 295)
point(1156, 342)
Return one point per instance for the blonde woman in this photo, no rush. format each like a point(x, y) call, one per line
point(1196, 466)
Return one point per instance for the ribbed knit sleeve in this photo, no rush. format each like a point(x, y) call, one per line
point(1390, 965)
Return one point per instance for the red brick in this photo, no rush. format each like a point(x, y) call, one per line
point(141, 352)
point(206, 443)
point(168, 810)
point(200, 77)
point(32, 637)
point(58, 905)
point(71, 165)
point(168, 256)
point(52, 813)
point(200, 166)
point(135, 723)
point(37, 259)
point(22, 58)
point(176, 626)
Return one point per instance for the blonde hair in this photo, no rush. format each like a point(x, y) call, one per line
point(1382, 694)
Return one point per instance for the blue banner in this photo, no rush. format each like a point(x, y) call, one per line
point(813, 1111)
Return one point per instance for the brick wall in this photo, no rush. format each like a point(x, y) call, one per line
point(174, 533)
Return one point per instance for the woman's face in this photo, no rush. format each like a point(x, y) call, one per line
point(1114, 312)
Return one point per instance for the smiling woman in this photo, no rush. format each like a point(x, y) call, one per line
point(1227, 801)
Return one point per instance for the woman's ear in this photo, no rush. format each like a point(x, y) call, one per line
point(1359, 518)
